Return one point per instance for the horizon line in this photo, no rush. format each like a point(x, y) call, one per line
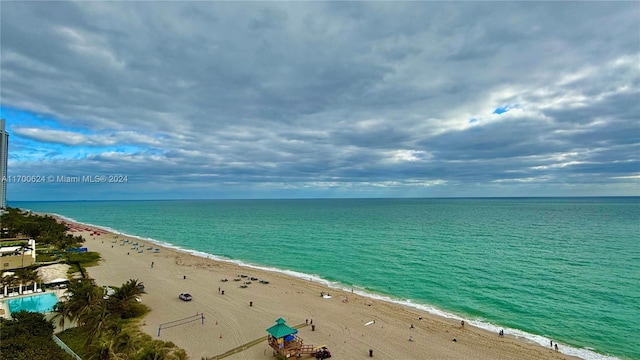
point(341, 198)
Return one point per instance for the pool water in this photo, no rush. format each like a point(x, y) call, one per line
point(36, 303)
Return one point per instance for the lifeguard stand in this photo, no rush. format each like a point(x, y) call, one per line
point(285, 342)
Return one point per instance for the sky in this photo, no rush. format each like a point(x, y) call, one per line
point(234, 100)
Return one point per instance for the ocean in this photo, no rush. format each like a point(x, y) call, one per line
point(561, 269)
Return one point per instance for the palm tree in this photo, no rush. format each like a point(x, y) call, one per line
point(97, 321)
point(11, 220)
point(62, 312)
point(83, 296)
point(121, 302)
point(177, 354)
point(129, 290)
point(11, 281)
point(26, 277)
point(103, 350)
point(120, 344)
point(5, 281)
point(124, 343)
point(153, 351)
point(21, 249)
point(67, 241)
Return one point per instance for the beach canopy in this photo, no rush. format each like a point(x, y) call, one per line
point(58, 280)
point(281, 329)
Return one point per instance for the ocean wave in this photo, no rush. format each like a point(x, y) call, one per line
point(583, 353)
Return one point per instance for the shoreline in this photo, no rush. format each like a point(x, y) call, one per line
point(431, 336)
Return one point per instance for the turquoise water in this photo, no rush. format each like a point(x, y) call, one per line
point(566, 269)
point(36, 303)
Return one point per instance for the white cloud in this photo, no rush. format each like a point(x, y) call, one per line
point(71, 138)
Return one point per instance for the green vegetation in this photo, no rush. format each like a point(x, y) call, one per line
point(51, 238)
point(43, 257)
point(126, 342)
point(86, 259)
point(27, 336)
point(46, 230)
point(15, 243)
point(24, 276)
point(108, 328)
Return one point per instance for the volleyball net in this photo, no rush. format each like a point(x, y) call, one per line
point(183, 321)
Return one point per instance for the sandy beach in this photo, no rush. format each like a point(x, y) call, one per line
point(230, 321)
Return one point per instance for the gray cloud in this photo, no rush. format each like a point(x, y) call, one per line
point(325, 99)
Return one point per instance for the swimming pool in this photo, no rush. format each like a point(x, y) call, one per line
point(36, 303)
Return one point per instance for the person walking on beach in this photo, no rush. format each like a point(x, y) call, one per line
point(556, 345)
point(152, 264)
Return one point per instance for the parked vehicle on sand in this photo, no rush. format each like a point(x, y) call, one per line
point(185, 296)
point(323, 353)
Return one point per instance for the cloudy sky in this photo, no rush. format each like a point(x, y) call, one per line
point(320, 99)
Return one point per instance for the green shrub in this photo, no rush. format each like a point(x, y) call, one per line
point(85, 259)
point(28, 337)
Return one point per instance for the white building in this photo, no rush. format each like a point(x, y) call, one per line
point(4, 157)
point(17, 253)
